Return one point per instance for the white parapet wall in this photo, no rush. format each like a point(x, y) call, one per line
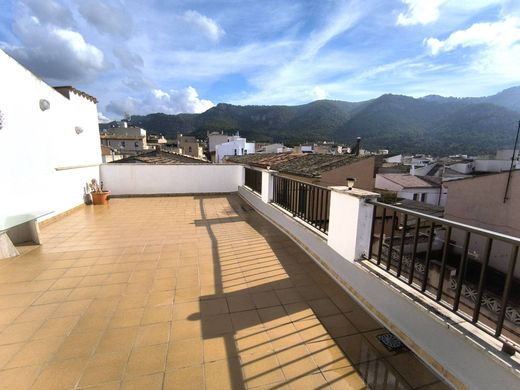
point(145, 179)
point(49, 144)
point(448, 346)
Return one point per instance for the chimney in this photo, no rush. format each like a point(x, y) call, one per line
point(358, 145)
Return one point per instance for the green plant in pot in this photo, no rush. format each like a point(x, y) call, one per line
point(99, 196)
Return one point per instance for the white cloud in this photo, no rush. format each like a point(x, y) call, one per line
point(106, 18)
point(419, 12)
point(206, 25)
point(128, 59)
point(56, 53)
point(502, 34)
point(50, 11)
point(319, 93)
point(102, 118)
point(185, 100)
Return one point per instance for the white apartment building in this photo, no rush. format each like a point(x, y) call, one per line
point(234, 146)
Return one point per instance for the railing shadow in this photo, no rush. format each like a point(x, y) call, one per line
point(239, 326)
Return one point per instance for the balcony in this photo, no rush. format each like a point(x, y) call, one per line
point(223, 285)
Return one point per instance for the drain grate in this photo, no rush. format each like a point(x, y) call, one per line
point(392, 343)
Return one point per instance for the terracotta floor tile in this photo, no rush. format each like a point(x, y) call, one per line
point(18, 332)
point(327, 355)
point(212, 307)
point(187, 378)
point(78, 345)
point(18, 378)
point(265, 299)
point(126, 318)
point(344, 378)
point(185, 329)
point(312, 381)
point(184, 353)
point(35, 353)
point(261, 369)
point(8, 351)
point(117, 340)
point(153, 315)
point(223, 375)
point(337, 325)
point(148, 382)
point(147, 360)
point(60, 375)
point(380, 375)
point(412, 369)
point(358, 348)
point(158, 333)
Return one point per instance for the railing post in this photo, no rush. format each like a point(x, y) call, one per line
point(350, 221)
point(267, 185)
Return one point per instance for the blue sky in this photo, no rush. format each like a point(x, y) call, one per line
point(185, 56)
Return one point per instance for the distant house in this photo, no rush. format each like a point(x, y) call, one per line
point(159, 157)
point(156, 141)
point(189, 146)
point(235, 146)
point(272, 148)
point(108, 154)
point(126, 140)
point(320, 169)
point(411, 187)
point(479, 201)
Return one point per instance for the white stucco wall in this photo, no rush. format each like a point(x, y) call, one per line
point(494, 165)
point(144, 179)
point(44, 164)
point(235, 147)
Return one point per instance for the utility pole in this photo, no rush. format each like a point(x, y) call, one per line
point(512, 164)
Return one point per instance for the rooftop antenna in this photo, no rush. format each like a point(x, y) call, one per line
point(512, 164)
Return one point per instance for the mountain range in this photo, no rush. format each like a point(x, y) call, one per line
point(432, 124)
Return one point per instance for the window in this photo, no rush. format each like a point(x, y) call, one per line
point(245, 151)
point(189, 149)
point(235, 152)
point(423, 197)
point(122, 144)
point(136, 144)
point(242, 152)
point(415, 196)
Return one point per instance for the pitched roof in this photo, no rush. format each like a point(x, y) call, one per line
point(406, 180)
point(67, 89)
point(308, 165)
point(160, 157)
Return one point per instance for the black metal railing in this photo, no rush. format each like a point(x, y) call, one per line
point(306, 201)
point(471, 271)
point(253, 180)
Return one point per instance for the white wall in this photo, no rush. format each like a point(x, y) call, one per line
point(35, 143)
point(143, 179)
point(235, 147)
point(494, 165)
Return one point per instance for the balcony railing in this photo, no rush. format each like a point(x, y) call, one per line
point(309, 202)
point(253, 179)
point(468, 270)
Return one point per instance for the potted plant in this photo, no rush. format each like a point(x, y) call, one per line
point(99, 196)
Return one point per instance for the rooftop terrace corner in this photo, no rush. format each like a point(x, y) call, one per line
point(186, 291)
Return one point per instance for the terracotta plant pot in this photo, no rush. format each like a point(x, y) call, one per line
point(100, 198)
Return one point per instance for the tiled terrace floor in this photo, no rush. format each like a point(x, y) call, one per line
point(184, 293)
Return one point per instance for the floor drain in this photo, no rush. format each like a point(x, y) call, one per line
point(392, 343)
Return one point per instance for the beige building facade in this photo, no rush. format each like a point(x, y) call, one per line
point(479, 201)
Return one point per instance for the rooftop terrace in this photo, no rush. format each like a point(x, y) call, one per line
point(184, 292)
